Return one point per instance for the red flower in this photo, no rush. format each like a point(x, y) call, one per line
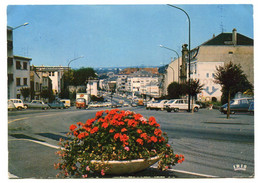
point(79, 124)
point(89, 122)
point(123, 130)
point(82, 135)
point(123, 137)
point(161, 139)
point(132, 123)
point(139, 131)
point(153, 122)
point(158, 132)
point(73, 127)
point(137, 116)
point(154, 139)
point(99, 114)
point(144, 135)
point(116, 136)
point(140, 141)
point(111, 130)
point(94, 130)
point(105, 125)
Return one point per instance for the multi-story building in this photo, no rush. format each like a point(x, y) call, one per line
point(55, 74)
point(18, 69)
point(217, 51)
point(139, 82)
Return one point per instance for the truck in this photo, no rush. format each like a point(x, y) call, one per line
point(82, 100)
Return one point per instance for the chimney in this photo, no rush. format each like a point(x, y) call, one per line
point(234, 36)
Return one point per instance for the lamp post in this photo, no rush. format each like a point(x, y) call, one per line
point(26, 23)
point(69, 68)
point(178, 60)
point(189, 49)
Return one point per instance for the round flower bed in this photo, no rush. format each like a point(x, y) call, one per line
point(113, 136)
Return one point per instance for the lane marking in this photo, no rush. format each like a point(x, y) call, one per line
point(38, 142)
point(18, 119)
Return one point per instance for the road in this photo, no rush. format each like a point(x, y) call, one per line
point(212, 144)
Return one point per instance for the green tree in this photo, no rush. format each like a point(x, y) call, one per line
point(195, 88)
point(25, 92)
point(176, 90)
point(80, 76)
point(232, 79)
point(47, 94)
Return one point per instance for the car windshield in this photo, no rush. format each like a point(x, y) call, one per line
point(171, 101)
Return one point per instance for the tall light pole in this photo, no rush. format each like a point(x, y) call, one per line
point(189, 48)
point(69, 67)
point(26, 23)
point(178, 60)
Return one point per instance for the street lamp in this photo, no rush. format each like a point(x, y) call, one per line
point(26, 23)
point(189, 48)
point(178, 59)
point(69, 67)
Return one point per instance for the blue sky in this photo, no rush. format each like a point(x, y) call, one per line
point(118, 35)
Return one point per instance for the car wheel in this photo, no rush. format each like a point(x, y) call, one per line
point(26, 106)
point(19, 108)
point(176, 110)
point(196, 109)
point(169, 110)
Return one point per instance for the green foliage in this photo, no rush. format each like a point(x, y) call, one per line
point(80, 76)
point(232, 79)
point(25, 92)
point(176, 90)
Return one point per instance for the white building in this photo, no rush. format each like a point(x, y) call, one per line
point(55, 74)
point(18, 76)
point(92, 87)
point(141, 83)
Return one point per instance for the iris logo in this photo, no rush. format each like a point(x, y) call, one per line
point(239, 167)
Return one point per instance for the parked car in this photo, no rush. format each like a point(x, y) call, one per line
point(149, 104)
point(158, 105)
point(56, 105)
point(36, 104)
point(18, 103)
point(167, 104)
point(66, 103)
point(11, 105)
point(237, 105)
point(181, 104)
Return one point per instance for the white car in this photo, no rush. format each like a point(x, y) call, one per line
point(168, 103)
point(18, 103)
point(181, 104)
point(11, 106)
point(158, 105)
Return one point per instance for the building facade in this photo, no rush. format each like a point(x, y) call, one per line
point(55, 73)
point(215, 52)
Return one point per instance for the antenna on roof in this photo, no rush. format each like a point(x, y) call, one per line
point(221, 18)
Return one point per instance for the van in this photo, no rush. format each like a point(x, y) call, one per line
point(66, 103)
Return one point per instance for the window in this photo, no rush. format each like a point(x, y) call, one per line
point(49, 73)
point(207, 75)
point(18, 81)
point(25, 81)
point(18, 96)
point(52, 73)
point(25, 65)
point(213, 75)
point(18, 65)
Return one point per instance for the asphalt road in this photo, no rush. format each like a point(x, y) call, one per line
point(212, 144)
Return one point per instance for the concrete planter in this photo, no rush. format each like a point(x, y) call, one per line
point(126, 167)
